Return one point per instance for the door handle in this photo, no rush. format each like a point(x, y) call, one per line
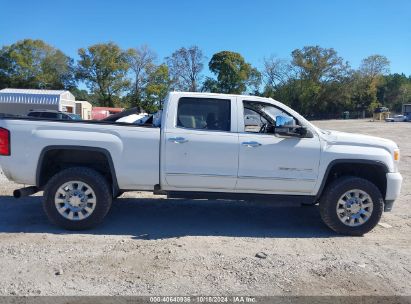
point(178, 140)
point(251, 144)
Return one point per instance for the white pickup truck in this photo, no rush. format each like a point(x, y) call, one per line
point(207, 146)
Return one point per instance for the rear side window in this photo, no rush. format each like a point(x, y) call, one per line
point(204, 114)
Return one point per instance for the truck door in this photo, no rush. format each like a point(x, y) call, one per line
point(201, 145)
point(269, 163)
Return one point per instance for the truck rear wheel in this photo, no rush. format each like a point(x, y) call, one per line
point(351, 205)
point(77, 198)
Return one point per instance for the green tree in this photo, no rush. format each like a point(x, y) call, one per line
point(254, 81)
point(317, 82)
point(81, 94)
point(404, 96)
point(34, 64)
point(233, 74)
point(322, 80)
point(319, 64)
point(394, 90)
point(210, 85)
point(104, 69)
point(157, 89)
point(371, 72)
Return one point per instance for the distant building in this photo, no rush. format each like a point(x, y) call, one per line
point(84, 109)
point(22, 101)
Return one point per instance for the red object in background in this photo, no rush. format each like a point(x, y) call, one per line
point(98, 113)
point(4, 142)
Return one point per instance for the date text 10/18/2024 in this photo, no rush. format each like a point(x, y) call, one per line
point(203, 299)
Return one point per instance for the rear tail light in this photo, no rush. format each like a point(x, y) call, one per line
point(4, 142)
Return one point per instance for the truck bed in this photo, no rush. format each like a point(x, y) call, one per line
point(133, 149)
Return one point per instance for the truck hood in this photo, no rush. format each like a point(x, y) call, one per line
point(353, 139)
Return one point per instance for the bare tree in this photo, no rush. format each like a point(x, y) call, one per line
point(276, 72)
point(185, 66)
point(141, 61)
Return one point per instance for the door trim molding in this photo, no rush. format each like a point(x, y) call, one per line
point(242, 177)
point(200, 175)
point(278, 178)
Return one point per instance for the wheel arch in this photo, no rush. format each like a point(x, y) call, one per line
point(355, 167)
point(59, 153)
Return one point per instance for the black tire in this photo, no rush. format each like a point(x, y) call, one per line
point(95, 180)
point(330, 197)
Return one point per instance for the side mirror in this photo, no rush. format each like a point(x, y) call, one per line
point(284, 126)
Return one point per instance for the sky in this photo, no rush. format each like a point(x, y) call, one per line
point(256, 29)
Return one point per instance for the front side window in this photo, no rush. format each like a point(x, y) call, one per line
point(261, 117)
point(204, 114)
point(253, 121)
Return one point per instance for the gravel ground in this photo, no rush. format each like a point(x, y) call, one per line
point(152, 246)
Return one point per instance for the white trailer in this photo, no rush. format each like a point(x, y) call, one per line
point(22, 101)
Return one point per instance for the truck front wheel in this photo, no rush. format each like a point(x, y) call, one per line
point(351, 205)
point(77, 198)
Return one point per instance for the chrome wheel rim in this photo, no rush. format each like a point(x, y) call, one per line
point(354, 207)
point(75, 200)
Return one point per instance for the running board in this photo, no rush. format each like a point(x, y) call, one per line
point(301, 199)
